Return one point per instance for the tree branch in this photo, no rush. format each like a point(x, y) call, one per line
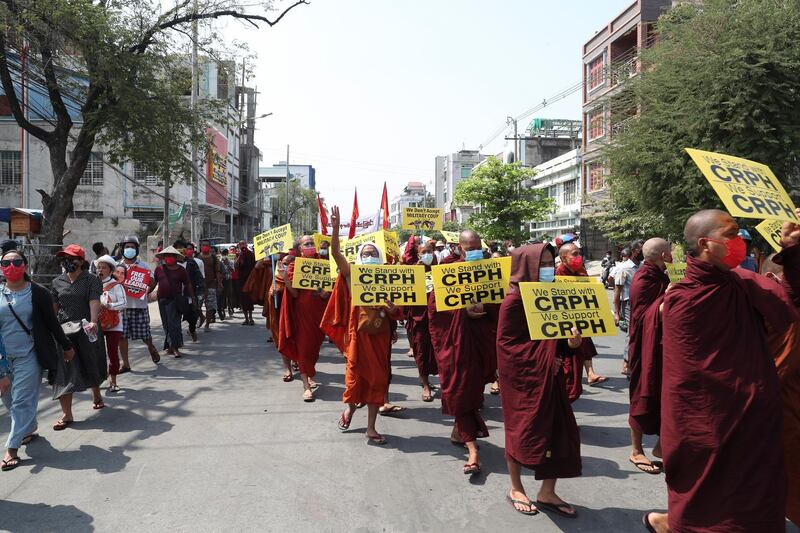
point(13, 101)
point(54, 91)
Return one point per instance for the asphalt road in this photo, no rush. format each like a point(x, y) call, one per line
point(217, 442)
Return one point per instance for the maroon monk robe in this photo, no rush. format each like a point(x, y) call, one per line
point(466, 359)
point(644, 348)
point(541, 432)
point(573, 366)
point(721, 413)
point(419, 336)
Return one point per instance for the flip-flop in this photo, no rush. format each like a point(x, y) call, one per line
point(314, 386)
point(494, 391)
point(428, 397)
point(124, 370)
point(309, 398)
point(27, 439)
point(98, 405)
point(557, 508)
point(599, 380)
point(646, 523)
point(472, 469)
point(530, 512)
point(155, 356)
point(376, 440)
point(391, 410)
point(10, 464)
point(344, 422)
point(61, 425)
point(639, 464)
point(287, 378)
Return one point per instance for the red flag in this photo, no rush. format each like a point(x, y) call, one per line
point(385, 207)
point(323, 216)
point(354, 216)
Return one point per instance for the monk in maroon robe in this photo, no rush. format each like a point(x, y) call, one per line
point(644, 350)
point(541, 432)
point(419, 336)
point(721, 412)
point(572, 265)
point(464, 344)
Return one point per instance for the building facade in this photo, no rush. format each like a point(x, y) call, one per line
point(610, 58)
point(415, 194)
point(451, 169)
point(302, 176)
point(561, 178)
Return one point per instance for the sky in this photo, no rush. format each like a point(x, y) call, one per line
point(369, 91)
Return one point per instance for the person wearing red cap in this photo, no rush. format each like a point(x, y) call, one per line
point(76, 297)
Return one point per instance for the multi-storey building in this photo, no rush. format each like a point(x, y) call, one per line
point(450, 169)
point(305, 176)
point(610, 58)
point(561, 178)
point(415, 194)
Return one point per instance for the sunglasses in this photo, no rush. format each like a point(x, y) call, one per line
point(9, 262)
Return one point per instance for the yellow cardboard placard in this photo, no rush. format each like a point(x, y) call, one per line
point(392, 246)
point(576, 279)
point(457, 285)
point(319, 238)
point(676, 271)
point(312, 274)
point(553, 309)
point(422, 218)
point(450, 236)
point(747, 188)
point(771, 231)
point(274, 241)
point(385, 240)
point(377, 284)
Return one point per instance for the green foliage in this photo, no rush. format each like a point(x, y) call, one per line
point(303, 209)
point(505, 204)
point(724, 78)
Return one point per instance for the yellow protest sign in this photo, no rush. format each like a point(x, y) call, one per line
point(422, 218)
point(676, 271)
point(553, 309)
point(771, 231)
point(576, 279)
point(428, 282)
point(392, 246)
point(450, 236)
point(457, 285)
point(312, 274)
point(747, 188)
point(377, 284)
point(273, 241)
point(319, 238)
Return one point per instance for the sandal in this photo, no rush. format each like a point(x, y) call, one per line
point(494, 390)
point(98, 405)
point(288, 377)
point(27, 439)
point(344, 422)
point(376, 440)
point(472, 469)
point(643, 466)
point(10, 464)
point(308, 395)
point(391, 410)
point(558, 508)
point(313, 385)
point(599, 380)
point(532, 510)
point(155, 356)
point(124, 370)
point(427, 397)
point(62, 424)
point(646, 523)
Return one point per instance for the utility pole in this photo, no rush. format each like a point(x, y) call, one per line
point(195, 210)
point(165, 231)
point(287, 183)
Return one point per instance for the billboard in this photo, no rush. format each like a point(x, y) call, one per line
point(217, 168)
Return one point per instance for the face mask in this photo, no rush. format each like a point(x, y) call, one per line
point(69, 265)
point(369, 260)
point(170, 260)
point(129, 253)
point(205, 249)
point(457, 252)
point(14, 273)
point(575, 263)
point(445, 253)
point(736, 251)
point(427, 259)
point(189, 252)
point(473, 255)
point(308, 252)
point(323, 252)
point(510, 248)
point(547, 274)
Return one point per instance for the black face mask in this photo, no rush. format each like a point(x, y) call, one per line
point(70, 266)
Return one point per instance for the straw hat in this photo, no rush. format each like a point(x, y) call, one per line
point(108, 260)
point(169, 250)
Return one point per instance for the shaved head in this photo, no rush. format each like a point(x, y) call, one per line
point(703, 224)
point(469, 240)
point(772, 267)
point(654, 248)
point(568, 249)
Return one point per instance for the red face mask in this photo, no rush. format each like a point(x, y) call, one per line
point(575, 263)
point(736, 250)
point(170, 260)
point(308, 252)
point(189, 252)
point(205, 249)
point(14, 273)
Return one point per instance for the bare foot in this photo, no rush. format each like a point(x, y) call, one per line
point(517, 498)
point(658, 521)
point(644, 464)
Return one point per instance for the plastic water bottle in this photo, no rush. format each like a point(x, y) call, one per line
point(88, 330)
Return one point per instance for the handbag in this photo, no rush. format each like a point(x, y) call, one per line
point(371, 321)
point(109, 319)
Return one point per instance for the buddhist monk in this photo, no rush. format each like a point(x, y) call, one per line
point(572, 265)
point(644, 349)
point(363, 334)
point(721, 423)
point(464, 345)
point(784, 268)
point(419, 336)
point(541, 432)
point(299, 333)
point(272, 305)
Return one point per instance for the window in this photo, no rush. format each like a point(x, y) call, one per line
point(570, 189)
point(552, 191)
point(144, 176)
point(596, 177)
point(596, 75)
point(10, 167)
point(93, 175)
point(596, 121)
point(466, 170)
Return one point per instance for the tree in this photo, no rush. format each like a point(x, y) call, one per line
point(119, 69)
point(303, 210)
point(723, 77)
point(505, 203)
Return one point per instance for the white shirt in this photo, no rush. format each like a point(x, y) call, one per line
point(114, 298)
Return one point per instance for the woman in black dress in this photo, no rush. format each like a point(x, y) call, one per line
point(76, 297)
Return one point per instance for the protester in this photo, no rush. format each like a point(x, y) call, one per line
point(721, 423)
point(245, 263)
point(299, 334)
point(213, 281)
point(172, 282)
point(226, 296)
point(644, 350)
point(540, 427)
point(29, 331)
point(324, 249)
point(419, 335)
point(193, 311)
point(572, 265)
point(363, 334)
point(607, 264)
point(749, 261)
point(112, 305)
point(136, 320)
point(464, 344)
point(99, 251)
point(439, 247)
point(623, 276)
point(76, 298)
